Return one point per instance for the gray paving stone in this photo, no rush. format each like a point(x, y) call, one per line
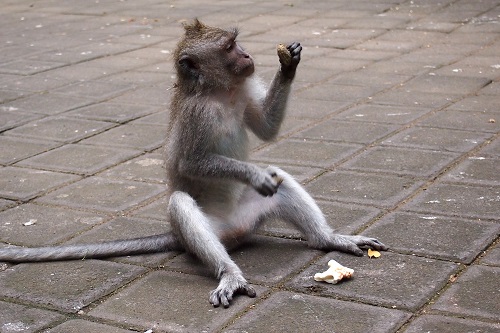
point(156, 96)
point(420, 163)
point(480, 67)
point(382, 114)
point(492, 89)
point(156, 210)
point(430, 59)
point(11, 117)
point(20, 318)
point(386, 45)
point(300, 173)
point(343, 131)
point(145, 168)
point(126, 228)
point(446, 84)
point(25, 184)
point(443, 324)
point(138, 78)
point(476, 170)
point(376, 22)
point(307, 75)
point(119, 113)
point(492, 257)
point(34, 225)
point(405, 97)
point(441, 139)
point(484, 103)
point(475, 293)
point(387, 78)
point(292, 312)
point(367, 76)
point(492, 149)
point(83, 71)
point(433, 26)
point(157, 118)
point(79, 325)
point(137, 136)
point(4, 204)
point(58, 128)
point(28, 67)
point(413, 35)
point(103, 194)
point(94, 89)
point(35, 83)
point(49, 103)
point(467, 121)
point(400, 68)
point(343, 218)
point(181, 304)
point(79, 159)
point(338, 93)
point(412, 280)
point(14, 149)
point(65, 286)
point(263, 260)
point(306, 152)
point(461, 200)
point(86, 52)
point(435, 236)
point(363, 188)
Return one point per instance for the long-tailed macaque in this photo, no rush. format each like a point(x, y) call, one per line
point(217, 198)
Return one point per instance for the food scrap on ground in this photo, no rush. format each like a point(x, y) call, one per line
point(335, 273)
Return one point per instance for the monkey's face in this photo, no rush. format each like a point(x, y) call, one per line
point(239, 62)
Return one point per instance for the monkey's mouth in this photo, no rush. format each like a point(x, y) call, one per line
point(248, 70)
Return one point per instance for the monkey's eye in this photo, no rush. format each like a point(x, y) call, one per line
point(230, 46)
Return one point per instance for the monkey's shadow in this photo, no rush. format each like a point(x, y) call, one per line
point(263, 259)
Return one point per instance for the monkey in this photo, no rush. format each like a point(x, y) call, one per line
point(217, 198)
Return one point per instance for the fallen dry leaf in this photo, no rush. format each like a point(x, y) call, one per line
point(373, 253)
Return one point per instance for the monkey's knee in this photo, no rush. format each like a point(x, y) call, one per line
point(180, 203)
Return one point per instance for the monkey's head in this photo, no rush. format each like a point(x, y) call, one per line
point(210, 58)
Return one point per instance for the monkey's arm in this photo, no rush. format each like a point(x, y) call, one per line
point(218, 166)
point(265, 115)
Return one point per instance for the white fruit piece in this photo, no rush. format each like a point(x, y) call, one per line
point(335, 273)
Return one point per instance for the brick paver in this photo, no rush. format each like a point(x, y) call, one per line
point(393, 126)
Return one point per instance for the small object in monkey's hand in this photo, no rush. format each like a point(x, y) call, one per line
point(334, 273)
point(284, 54)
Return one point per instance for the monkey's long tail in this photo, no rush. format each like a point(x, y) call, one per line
point(143, 245)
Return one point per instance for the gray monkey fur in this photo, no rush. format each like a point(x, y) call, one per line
point(217, 197)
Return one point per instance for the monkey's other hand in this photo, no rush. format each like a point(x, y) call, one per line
point(289, 64)
point(229, 286)
point(353, 244)
point(266, 182)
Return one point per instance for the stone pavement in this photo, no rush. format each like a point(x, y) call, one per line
point(393, 127)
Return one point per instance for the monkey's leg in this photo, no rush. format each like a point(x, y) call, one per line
point(295, 205)
point(197, 234)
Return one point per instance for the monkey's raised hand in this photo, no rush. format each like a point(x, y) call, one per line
point(289, 64)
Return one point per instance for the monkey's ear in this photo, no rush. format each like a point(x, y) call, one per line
point(188, 65)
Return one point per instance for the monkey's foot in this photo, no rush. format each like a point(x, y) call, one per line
point(353, 244)
point(229, 286)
